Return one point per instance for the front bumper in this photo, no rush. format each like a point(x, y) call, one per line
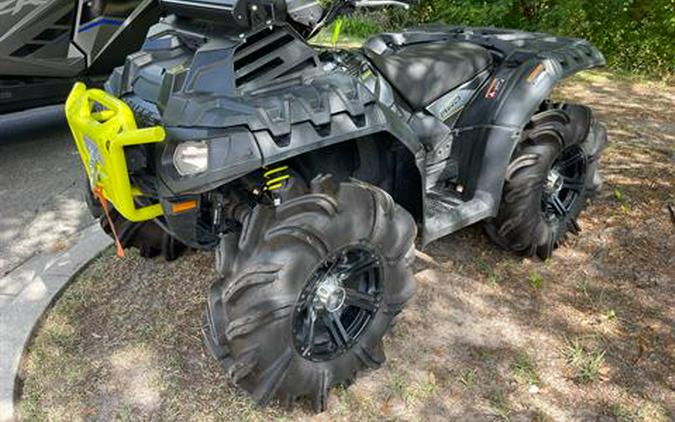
point(100, 137)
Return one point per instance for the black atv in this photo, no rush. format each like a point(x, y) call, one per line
point(47, 45)
point(309, 171)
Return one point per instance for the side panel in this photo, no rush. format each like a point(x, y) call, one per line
point(35, 39)
point(62, 38)
point(241, 151)
point(119, 30)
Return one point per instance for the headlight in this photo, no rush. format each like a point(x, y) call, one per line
point(191, 157)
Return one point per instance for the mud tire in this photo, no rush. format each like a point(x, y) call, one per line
point(249, 321)
point(521, 225)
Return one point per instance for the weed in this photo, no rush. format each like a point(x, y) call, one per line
point(493, 278)
point(653, 412)
point(525, 370)
point(485, 268)
point(468, 377)
point(621, 199)
point(541, 416)
point(500, 405)
point(619, 412)
point(411, 392)
point(397, 385)
point(123, 413)
point(430, 387)
point(417, 393)
point(586, 363)
point(536, 280)
point(582, 287)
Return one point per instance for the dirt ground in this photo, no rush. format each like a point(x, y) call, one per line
point(586, 336)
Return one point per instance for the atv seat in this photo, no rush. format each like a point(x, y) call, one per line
point(424, 72)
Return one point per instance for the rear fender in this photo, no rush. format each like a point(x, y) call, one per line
point(510, 98)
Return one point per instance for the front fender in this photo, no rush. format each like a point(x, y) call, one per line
point(235, 152)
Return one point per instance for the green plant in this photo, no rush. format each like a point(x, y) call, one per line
point(621, 199)
point(468, 377)
point(585, 361)
point(524, 370)
point(500, 405)
point(485, 268)
point(582, 287)
point(535, 280)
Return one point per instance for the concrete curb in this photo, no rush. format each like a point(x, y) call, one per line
point(34, 285)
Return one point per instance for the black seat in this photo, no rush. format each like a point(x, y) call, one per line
point(424, 72)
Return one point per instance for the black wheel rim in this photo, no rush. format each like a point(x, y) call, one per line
point(338, 303)
point(565, 184)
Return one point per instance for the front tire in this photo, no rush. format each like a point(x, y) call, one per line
point(315, 286)
point(552, 173)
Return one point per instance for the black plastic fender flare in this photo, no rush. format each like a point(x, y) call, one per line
point(510, 97)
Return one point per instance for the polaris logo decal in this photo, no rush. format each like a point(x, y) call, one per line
point(13, 7)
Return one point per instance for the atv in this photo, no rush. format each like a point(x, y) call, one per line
point(308, 170)
point(47, 45)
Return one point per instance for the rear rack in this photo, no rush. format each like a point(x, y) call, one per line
point(100, 137)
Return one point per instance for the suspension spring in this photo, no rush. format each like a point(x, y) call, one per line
point(275, 178)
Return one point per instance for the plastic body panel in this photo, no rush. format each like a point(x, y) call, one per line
point(485, 134)
point(45, 46)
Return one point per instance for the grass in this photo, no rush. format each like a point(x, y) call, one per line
point(468, 377)
point(490, 273)
point(535, 280)
point(525, 370)
point(123, 341)
point(586, 363)
point(500, 405)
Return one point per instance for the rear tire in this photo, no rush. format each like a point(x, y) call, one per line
point(351, 241)
point(551, 174)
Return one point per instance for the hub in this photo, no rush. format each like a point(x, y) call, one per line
point(330, 295)
point(554, 182)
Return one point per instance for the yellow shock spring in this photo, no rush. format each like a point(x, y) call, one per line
point(275, 177)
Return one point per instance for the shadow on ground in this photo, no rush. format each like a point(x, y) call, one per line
point(41, 205)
